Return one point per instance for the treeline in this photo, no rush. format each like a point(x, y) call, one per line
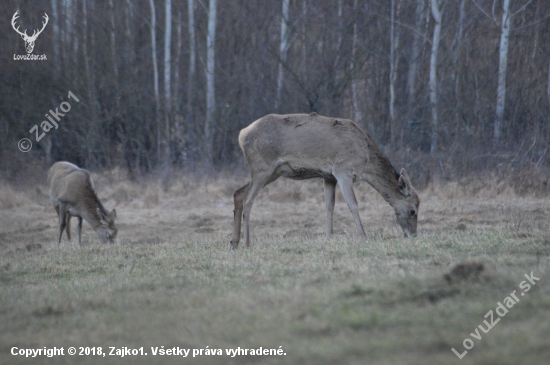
point(446, 86)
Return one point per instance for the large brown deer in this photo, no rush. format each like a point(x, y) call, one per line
point(72, 194)
point(302, 146)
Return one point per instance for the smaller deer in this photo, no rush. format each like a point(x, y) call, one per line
point(72, 194)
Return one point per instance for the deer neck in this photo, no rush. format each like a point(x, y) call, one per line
point(90, 213)
point(386, 187)
point(92, 217)
point(381, 175)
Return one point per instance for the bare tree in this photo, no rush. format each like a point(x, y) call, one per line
point(504, 26)
point(167, 80)
point(341, 57)
point(502, 65)
point(458, 71)
point(56, 38)
point(436, 13)
point(354, 68)
point(192, 59)
point(176, 104)
point(177, 62)
point(394, 46)
point(415, 48)
point(155, 73)
point(113, 36)
point(92, 124)
point(340, 34)
point(128, 30)
point(283, 47)
point(210, 78)
point(304, 39)
point(68, 56)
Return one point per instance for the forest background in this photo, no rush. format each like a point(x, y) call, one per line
point(447, 88)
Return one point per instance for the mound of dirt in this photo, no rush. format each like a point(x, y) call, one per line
point(465, 272)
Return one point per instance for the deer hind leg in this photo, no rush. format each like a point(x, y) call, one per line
point(258, 181)
point(330, 195)
point(346, 185)
point(238, 199)
point(79, 230)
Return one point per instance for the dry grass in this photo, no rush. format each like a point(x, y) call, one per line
point(172, 281)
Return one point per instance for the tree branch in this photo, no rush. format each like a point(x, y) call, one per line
point(521, 9)
point(485, 13)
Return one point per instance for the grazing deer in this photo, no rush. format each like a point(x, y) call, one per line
point(301, 146)
point(72, 194)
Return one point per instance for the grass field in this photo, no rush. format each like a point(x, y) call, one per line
point(172, 281)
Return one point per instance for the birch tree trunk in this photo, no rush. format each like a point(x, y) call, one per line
point(179, 43)
point(56, 40)
point(192, 62)
point(283, 45)
point(340, 36)
point(394, 46)
point(304, 39)
point(92, 122)
point(167, 80)
point(548, 91)
point(113, 37)
point(210, 89)
point(73, 13)
point(355, 103)
point(176, 104)
point(458, 73)
point(129, 17)
point(155, 74)
point(502, 65)
point(64, 24)
point(69, 58)
point(57, 70)
point(436, 13)
point(413, 66)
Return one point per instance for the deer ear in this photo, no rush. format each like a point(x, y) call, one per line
point(112, 215)
point(404, 183)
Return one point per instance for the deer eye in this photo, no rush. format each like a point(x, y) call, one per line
point(413, 212)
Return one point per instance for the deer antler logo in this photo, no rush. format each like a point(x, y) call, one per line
point(29, 41)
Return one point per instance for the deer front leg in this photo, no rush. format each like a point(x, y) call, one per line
point(255, 188)
point(238, 199)
point(258, 181)
point(346, 185)
point(330, 195)
point(68, 228)
point(62, 211)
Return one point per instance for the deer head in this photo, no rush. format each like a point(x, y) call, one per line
point(29, 41)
